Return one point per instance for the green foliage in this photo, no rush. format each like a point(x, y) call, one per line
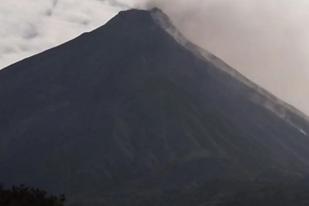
point(26, 196)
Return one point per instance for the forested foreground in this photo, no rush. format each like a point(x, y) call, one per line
point(214, 193)
point(26, 196)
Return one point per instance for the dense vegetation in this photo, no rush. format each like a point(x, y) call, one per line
point(25, 196)
point(213, 193)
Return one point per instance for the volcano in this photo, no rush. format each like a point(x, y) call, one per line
point(133, 110)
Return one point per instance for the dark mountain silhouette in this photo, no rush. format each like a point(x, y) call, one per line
point(133, 108)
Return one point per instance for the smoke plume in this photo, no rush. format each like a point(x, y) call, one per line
point(266, 40)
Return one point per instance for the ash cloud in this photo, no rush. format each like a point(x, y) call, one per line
point(266, 40)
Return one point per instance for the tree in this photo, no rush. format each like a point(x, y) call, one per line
point(26, 196)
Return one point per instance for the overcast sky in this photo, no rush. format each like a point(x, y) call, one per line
point(31, 26)
point(267, 40)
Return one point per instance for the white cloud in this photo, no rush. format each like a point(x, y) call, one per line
point(31, 26)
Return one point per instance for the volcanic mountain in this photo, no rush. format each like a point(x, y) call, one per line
point(134, 108)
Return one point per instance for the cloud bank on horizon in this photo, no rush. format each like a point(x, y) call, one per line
point(267, 40)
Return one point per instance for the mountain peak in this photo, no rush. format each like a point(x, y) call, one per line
point(141, 11)
point(135, 105)
point(137, 16)
point(135, 12)
point(134, 20)
point(137, 20)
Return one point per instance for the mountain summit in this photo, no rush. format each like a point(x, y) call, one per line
point(132, 108)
